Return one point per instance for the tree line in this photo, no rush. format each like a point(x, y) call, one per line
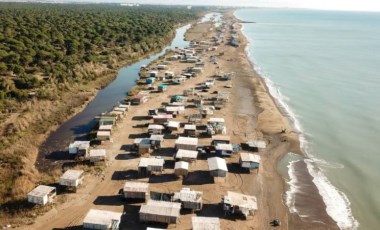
point(42, 44)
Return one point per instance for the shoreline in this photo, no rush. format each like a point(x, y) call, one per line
point(322, 220)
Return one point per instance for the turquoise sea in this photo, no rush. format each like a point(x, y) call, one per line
point(323, 69)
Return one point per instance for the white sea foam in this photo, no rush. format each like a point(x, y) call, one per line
point(337, 203)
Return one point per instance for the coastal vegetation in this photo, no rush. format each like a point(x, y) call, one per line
point(53, 58)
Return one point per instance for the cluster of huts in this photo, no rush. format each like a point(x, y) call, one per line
point(234, 41)
point(187, 148)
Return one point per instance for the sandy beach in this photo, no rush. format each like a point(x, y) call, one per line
point(251, 113)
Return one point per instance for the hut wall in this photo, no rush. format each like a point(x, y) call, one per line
point(146, 217)
point(95, 226)
point(218, 173)
point(135, 195)
point(181, 172)
point(186, 147)
point(192, 205)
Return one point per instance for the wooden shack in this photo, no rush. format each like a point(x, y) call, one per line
point(224, 149)
point(205, 223)
point(187, 143)
point(238, 203)
point(249, 161)
point(155, 129)
point(256, 145)
point(97, 155)
point(190, 199)
point(103, 135)
point(217, 167)
point(186, 155)
point(102, 219)
point(79, 147)
point(156, 140)
point(136, 190)
point(71, 179)
point(143, 146)
point(42, 195)
point(190, 130)
point(160, 211)
point(222, 139)
point(181, 168)
point(162, 118)
point(150, 165)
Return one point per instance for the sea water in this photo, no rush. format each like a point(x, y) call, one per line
point(323, 69)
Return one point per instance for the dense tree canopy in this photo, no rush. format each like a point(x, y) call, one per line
point(39, 41)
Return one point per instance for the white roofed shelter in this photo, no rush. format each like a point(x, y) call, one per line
point(187, 143)
point(136, 190)
point(205, 223)
point(186, 155)
point(249, 161)
point(224, 149)
point(190, 199)
point(102, 219)
point(97, 155)
point(72, 178)
point(256, 144)
point(190, 130)
point(217, 167)
point(42, 195)
point(79, 147)
point(160, 211)
point(235, 202)
point(213, 120)
point(149, 165)
point(181, 168)
point(155, 129)
point(173, 125)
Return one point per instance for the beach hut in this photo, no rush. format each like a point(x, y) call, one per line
point(217, 167)
point(136, 190)
point(79, 147)
point(102, 219)
point(107, 120)
point(173, 125)
point(97, 155)
point(160, 211)
point(149, 80)
point(186, 155)
point(224, 149)
point(150, 165)
point(191, 59)
point(190, 199)
point(256, 145)
point(103, 135)
point(153, 73)
point(169, 74)
point(174, 109)
point(215, 120)
point(143, 145)
point(249, 161)
point(195, 118)
point(155, 128)
point(181, 168)
point(71, 179)
point(162, 88)
point(42, 195)
point(161, 67)
point(177, 98)
point(197, 70)
point(205, 223)
point(156, 140)
point(187, 143)
point(239, 203)
point(140, 99)
point(121, 109)
point(220, 139)
point(162, 118)
point(190, 130)
point(107, 128)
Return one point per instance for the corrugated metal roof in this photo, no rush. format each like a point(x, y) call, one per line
point(187, 141)
point(161, 208)
point(152, 161)
point(205, 223)
point(136, 186)
point(249, 157)
point(182, 153)
point(101, 217)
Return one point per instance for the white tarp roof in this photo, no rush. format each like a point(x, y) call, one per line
point(175, 108)
point(205, 223)
point(161, 208)
point(217, 163)
point(152, 161)
point(216, 120)
point(187, 141)
point(249, 157)
point(257, 144)
point(41, 191)
point(80, 144)
point(155, 126)
point(190, 127)
point(72, 174)
point(173, 124)
point(241, 200)
point(136, 186)
point(181, 165)
point(98, 153)
point(186, 194)
point(182, 153)
point(101, 217)
point(224, 147)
